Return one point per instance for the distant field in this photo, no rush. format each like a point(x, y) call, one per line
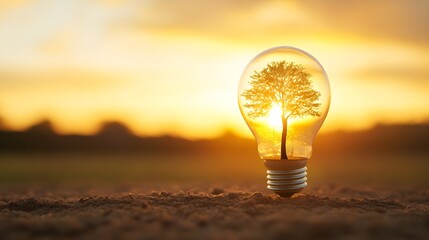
point(79, 168)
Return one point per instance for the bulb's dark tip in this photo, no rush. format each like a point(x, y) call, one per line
point(286, 177)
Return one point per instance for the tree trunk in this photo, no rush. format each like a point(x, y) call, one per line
point(284, 135)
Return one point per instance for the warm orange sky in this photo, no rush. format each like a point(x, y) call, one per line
point(172, 67)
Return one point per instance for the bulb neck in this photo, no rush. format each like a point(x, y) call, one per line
point(286, 177)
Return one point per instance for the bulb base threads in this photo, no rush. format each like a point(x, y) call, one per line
point(286, 177)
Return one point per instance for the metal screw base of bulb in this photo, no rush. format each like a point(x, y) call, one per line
point(286, 177)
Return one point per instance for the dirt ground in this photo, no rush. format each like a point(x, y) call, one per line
point(221, 212)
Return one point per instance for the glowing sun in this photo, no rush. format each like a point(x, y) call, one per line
point(274, 117)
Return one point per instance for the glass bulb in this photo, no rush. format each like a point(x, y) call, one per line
point(284, 98)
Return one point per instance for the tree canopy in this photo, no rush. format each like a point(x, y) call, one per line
point(284, 83)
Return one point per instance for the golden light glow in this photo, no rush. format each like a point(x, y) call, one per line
point(172, 68)
point(274, 117)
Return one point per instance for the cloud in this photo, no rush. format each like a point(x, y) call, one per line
point(232, 20)
point(255, 20)
point(392, 20)
point(189, 14)
point(10, 4)
point(65, 79)
point(390, 73)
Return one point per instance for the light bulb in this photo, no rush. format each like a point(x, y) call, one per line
point(284, 98)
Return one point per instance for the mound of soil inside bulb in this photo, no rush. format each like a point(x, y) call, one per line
point(213, 213)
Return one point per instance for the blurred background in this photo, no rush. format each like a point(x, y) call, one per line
point(126, 91)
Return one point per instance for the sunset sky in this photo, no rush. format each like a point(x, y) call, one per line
point(172, 67)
